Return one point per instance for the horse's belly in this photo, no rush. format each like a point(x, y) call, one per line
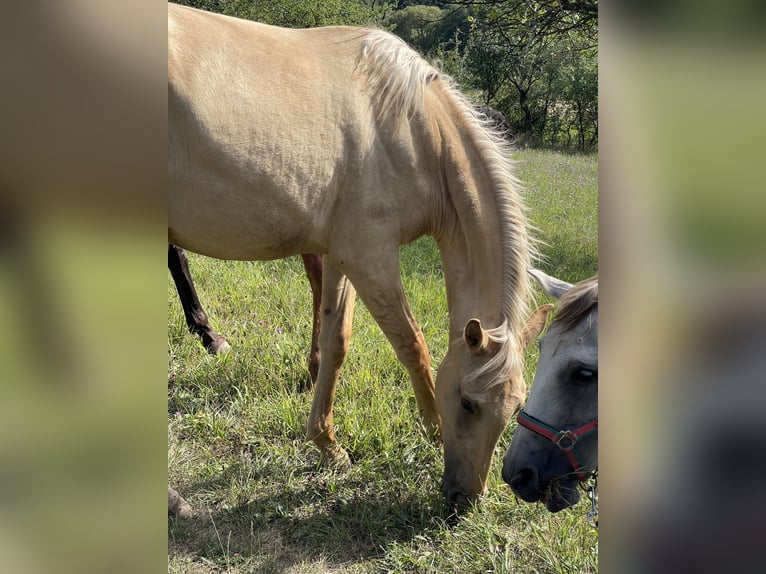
point(230, 223)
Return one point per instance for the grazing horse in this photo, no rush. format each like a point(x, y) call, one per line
point(344, 141)
point(556, 446)
point(197, 319)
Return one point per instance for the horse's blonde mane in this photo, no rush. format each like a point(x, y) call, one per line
point(397, 78)
point(396, 74)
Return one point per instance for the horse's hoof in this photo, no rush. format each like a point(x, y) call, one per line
point(177, 506)
point(334, 457)
point(306, 384)
point(219, 347)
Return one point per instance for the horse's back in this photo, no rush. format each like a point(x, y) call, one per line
point(259, 130)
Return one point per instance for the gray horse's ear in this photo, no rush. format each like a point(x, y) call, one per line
point(552, 286)
point(475, 337)
point(535, 325)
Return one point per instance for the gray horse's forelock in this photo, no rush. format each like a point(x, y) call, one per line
point(576, 304)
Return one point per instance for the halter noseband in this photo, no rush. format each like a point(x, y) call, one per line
point(564, 439)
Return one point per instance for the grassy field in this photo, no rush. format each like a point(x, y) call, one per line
point(236, 425)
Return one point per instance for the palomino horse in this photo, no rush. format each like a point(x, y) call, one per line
point(556, 445)
point(199, 324)
point(343, 141)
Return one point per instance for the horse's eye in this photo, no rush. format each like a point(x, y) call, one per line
point(584, 375)
point(467, 404)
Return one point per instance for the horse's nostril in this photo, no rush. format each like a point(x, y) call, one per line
point(524, 483)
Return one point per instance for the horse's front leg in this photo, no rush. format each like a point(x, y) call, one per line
point(380, 287)
point(338, 298)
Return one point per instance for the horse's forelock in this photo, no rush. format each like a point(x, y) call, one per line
point(507, 360)
point(576, 303)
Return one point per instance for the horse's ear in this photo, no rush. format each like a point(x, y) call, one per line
point(475, 337)
point(535, 325)
point(552, 286)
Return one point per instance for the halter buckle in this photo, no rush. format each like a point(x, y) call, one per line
point(566, 435)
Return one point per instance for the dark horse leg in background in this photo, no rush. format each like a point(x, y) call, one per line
point(313, 266)
point(197, 320)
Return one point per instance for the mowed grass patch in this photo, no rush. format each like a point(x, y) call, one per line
point(236, 425)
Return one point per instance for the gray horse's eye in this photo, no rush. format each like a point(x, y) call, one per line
point(467, 404)
point(584, 375)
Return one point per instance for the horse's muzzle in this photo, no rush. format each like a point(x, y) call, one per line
point(557, 493)
point(557, 497)
point(524, 482)
point(458, 502)
point(457, 499)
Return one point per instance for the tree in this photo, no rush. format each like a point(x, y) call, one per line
point(297, 13)
point(427, 28)
point(519, 51)
point(549, 17)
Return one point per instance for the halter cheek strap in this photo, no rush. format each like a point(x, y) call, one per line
point(564, 439)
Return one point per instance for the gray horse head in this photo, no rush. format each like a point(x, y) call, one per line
point(555, 446)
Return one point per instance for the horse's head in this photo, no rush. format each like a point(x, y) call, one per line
point(476, 404)
point(555, 446)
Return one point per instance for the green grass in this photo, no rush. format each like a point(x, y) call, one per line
point(236, 425)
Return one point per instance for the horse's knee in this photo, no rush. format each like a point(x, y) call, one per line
point(342, 344)
point(334, 348)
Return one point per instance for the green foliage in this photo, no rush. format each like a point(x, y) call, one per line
point(416, 25)
point(296, 13)
point(538, 64)
point(236, 424)
point(428, 28)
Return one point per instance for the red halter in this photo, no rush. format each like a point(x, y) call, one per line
point(564, 439)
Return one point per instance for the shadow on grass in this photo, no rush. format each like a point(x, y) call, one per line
point(324, 522)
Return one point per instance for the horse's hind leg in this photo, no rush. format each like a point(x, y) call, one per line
point(338, 298)
point(381, 289)
point(313, 266)
point(196, 318)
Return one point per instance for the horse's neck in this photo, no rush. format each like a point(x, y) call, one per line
point(471, 243)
